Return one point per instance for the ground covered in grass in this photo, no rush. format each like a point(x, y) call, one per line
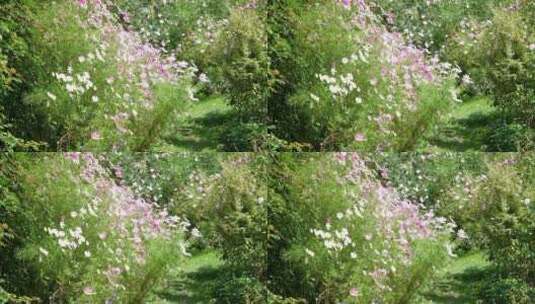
point(194, 283)
point(458, 281)
point(467, 128)
point(201, 128)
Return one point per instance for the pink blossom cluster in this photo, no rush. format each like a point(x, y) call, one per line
point(139, 62)
point(138, 66)
point(112, 221)
point(380, 225)
point(384, 73)
point(130, 213)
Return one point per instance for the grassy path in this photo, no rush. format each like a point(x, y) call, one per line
point(456, 283)
point(467, 127)
point(197, 280)
point(195, 284)
point(201, 128)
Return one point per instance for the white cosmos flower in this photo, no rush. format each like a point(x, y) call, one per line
point(43, 251)
point(449, 249)
point(52, 96)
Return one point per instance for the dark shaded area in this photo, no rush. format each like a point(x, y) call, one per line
point(465, 134)
point(216, 131)
point(460, 288)
point(203, 133)
point(195, 287)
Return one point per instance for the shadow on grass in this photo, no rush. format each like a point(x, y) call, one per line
point(469, 127)
point(465, 134)
point(195, 287)
point(212, 125)
point(459, 288)
point(460, 281)
point(203, 133)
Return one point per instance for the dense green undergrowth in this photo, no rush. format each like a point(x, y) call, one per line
point(299, 75)
point(282, 228)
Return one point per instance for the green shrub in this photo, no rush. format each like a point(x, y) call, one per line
point(15, 77)
point(499, 55)
point(238, 212)
point(425, 177)
point(239, 289)
point(169, 24)
point(325, 224)
point(507, 291)
point(343, 80)
point(510, 136)
point(74, 241)
point(90, 86)
point(431, 23)
point(242, 61)
point(250, 136)
point(496, 210)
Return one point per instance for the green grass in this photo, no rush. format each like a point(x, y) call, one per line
point(456, 283)
point(467, 128)
point(201, 128)
point(210, 125)
point(194, 284)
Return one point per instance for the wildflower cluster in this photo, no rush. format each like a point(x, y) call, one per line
point(382, 84)
point(379, 236)
point(118, 80)
point(110, 237)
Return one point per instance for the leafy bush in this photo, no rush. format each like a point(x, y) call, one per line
point(14, 47)
point(170, 24)
point(510, 136)
point(93, 88)
point(328, 217)
point(425, 177)
point(240, 289)
point(237, 206)
point(504, 69)
point(346, 82)
point(82, 236)
point(242, 60)
point(507, 291)
point(14, 76)
point(431, 23)
point(496, 210)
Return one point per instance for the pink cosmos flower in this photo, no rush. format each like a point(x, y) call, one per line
point(118, 171)
point(95, 135)
point(74, 156)
point(346, 3)
point(354, 292)
point(89, 290)
point(82, 2)
point(359, 137)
